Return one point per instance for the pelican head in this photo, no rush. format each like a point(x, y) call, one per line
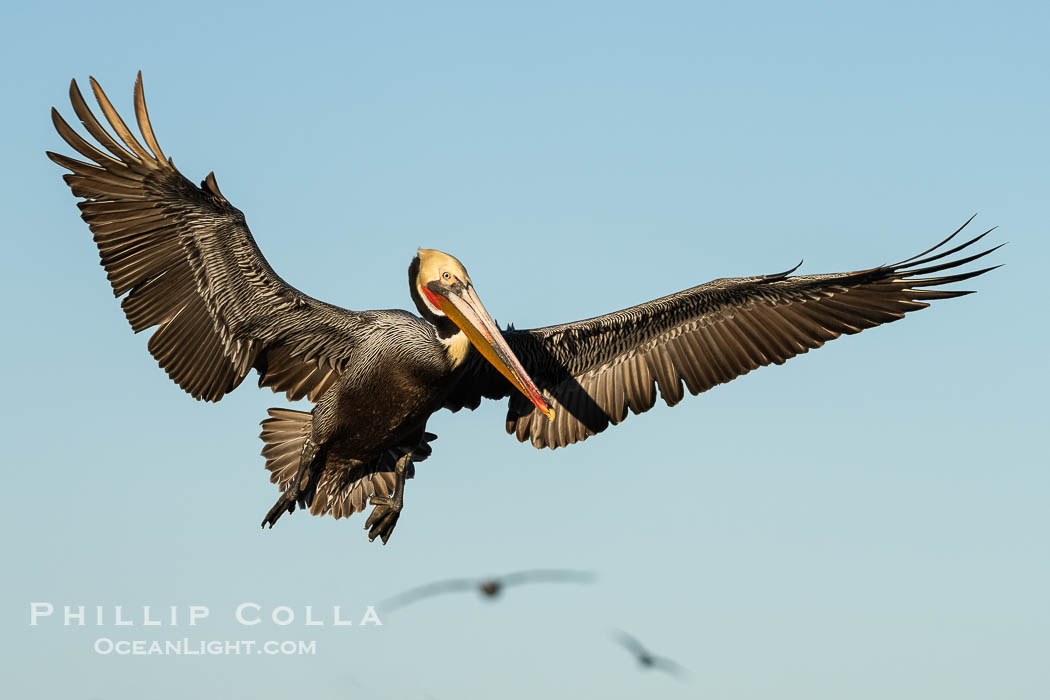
point(445, 296)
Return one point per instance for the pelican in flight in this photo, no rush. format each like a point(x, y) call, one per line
point(184, 262)
point(646, 659)
point(490, 588)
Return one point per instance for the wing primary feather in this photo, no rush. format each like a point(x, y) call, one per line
point(943, 254)
point(87, 118)
point(930, 250)
point(142, 116)
point(950, 279)
point(79, 143)
point(951, 264)
point(117, 123)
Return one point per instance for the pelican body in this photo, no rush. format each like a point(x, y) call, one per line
point(183, 260)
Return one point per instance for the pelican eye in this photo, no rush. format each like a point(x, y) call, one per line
point(445, 275)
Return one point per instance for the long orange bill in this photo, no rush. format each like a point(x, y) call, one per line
point(466, 311)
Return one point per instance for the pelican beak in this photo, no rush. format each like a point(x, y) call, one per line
point(462, 305)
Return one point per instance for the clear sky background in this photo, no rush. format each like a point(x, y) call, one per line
point(868, 521)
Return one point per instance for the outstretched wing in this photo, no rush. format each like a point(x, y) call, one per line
point(631, 644)
point(414, 595)
point(593, 372)
point(546, 576)
point(667, 665)
point(187, 263)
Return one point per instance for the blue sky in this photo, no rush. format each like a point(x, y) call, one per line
point(867, 521)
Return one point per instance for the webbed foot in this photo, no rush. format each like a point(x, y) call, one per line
point(387, 510)
point(285, 504)
point(311, 462)
point(383, 518)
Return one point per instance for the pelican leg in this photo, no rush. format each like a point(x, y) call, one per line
point(387, 510)
point(311, 461)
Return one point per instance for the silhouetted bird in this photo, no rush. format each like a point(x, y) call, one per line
point(646, 658)
point(488, 587)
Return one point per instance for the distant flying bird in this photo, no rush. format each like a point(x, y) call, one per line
point(487, 587)
point(646, 658)
point(185, 262)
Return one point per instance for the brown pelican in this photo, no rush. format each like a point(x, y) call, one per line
point(183, 259)
point(490, 588)
point(646, 659)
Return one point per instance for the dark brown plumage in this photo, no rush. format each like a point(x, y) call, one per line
point(184, 261)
